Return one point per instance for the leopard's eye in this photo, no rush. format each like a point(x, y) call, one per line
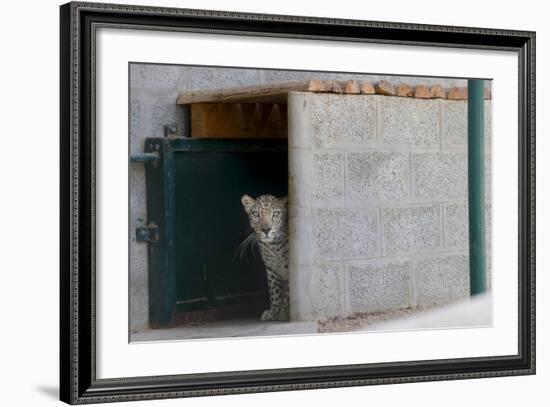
point(277, 212)
point(255, 213)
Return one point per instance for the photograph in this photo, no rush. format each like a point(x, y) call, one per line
point(282, 202)
point(255, 202)
point(286, 203)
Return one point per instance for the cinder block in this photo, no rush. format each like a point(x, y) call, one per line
point(301, 300)
point(301, 269)
point(340, 121)
point(377, 176)
point(379, 285)
point(411, 229)
point(138, 277)
point(212, 78)
point(150, 118)
point(145, 124)
point(416, 80)
point(157, 81)
point(394, 80)
point(137, 137)
point(409, 122)
point(139, 304)
point(136, 173)
point(345, 233)
point(299, 119)
point(275, 76)
point(440, 176)
point(329, 290)
point(454, 123)
point(340, 77)
point(302, 297)
point(442, 278)
point(328, 179)
point(456, 225)
point(138, 189)
point(300, 169)
point(166, 112)
point(301, 232)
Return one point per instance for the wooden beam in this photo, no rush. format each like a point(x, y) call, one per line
point(274, 93)
point(238, 120)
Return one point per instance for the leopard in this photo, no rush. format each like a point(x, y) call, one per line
point(268, 218)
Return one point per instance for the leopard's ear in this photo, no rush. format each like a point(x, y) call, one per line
point(284, 201)
point(247, 202)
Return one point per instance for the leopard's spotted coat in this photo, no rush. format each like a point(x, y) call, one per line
point(268, 219)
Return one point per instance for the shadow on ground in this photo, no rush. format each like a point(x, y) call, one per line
point(50, 391)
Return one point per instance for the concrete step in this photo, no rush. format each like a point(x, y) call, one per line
point(225, 329)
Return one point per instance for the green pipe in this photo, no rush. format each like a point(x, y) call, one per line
point(476, 186)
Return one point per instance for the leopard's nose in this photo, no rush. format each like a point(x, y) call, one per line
point(266, 229)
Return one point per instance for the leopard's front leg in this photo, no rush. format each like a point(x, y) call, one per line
point(278, 299)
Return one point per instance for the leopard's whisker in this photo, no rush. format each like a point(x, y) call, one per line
point(248, 243)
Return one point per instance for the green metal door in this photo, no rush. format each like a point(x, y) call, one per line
point(201, 276)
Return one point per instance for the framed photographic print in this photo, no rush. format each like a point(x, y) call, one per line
point(255, 203)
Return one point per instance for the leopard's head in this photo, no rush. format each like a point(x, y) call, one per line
point(267, 215)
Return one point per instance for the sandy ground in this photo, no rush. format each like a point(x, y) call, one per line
point(362, 321)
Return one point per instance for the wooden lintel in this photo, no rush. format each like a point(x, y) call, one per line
point(274, 93)
point(238, 120)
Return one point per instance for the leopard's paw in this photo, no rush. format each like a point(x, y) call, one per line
point(267, 315)
point(283, 315)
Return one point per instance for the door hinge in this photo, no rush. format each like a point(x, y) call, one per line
point(147, 234)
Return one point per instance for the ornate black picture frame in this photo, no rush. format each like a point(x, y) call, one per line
point(78, 380)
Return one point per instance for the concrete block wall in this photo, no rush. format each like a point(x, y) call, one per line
point(153, 92)
point(378, 203)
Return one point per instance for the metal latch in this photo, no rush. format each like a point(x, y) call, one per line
point(146, 158)
point(147, 234)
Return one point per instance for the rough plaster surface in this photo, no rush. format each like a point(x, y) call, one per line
point(442, 278)
point(440, 176)
point(456, 225)
point(152, 81)
point(454, 123)
point(354, 125)
point(377, 176)
point(328, 177)
point(396, 130)
point(379, 285)
point(330, 289)
point(211, 77)
point(407, 121)
point(346, 233)
point(411, 229)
